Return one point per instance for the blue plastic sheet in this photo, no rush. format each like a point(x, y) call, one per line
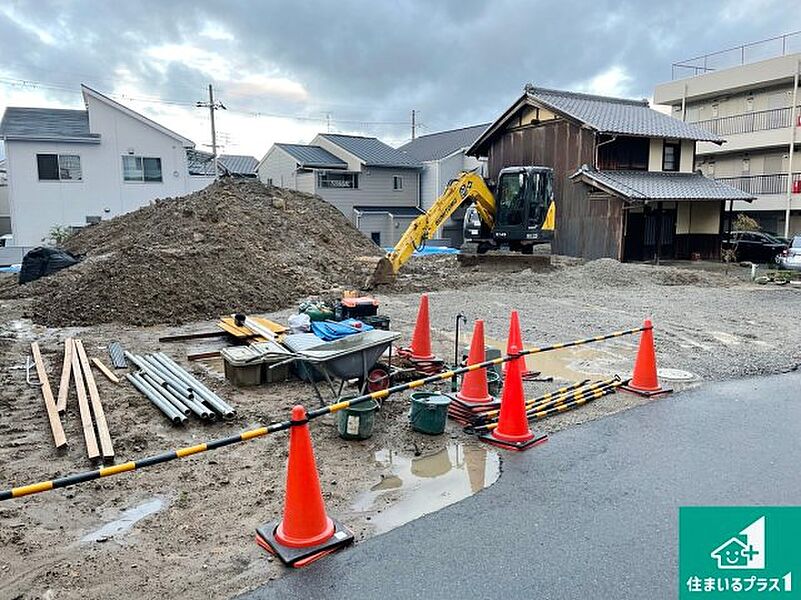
point(333, 330)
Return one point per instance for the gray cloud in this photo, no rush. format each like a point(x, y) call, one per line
point(456, 62)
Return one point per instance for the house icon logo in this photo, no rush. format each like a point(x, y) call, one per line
point(746, 550)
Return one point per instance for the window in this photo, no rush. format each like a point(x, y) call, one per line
point(671, 156)
point(269, 181)
point(624, 153)
point(140, 168)
point(376, 237)
point(59, 167)
point(327, 179)
point(397, 182)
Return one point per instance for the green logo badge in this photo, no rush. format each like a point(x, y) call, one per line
point(739, 551)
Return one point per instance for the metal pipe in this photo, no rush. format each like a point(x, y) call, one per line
point(201, 390)
point(181, 387)
point(190, 402)
point(155, 398)
point(165, 393)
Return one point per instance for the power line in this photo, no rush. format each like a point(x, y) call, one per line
point(32, 84)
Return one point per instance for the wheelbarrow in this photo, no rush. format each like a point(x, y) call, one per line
point(341, 360)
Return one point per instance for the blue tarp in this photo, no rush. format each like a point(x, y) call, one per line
point(11, 269)
point(332, 330)
point(427, 250)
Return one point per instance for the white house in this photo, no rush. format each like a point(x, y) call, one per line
point(5, 215)
point(67, 168)
point(443, 156)
point(375, 185)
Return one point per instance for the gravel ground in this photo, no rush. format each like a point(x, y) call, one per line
point(200, 544)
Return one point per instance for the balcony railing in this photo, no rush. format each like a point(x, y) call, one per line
point(739, 55)
point(762, 120)
point(775, 183)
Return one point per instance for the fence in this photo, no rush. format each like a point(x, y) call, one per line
point(738, 55)
point(775, 183)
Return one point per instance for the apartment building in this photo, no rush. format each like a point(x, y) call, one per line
point(749, 96)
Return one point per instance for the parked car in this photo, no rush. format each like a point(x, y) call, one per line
point(791, 257)
point(755, 246)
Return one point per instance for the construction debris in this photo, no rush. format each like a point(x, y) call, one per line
point(59, 439)
point(198, 256)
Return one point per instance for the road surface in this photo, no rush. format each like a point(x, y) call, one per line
point(591, 514)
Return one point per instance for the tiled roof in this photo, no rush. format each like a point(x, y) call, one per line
point(47, 124)
point(372, 151)
point(201, 163)
point(650, 185)
point(436, 146)
point(313, 156)
point(239, 164)
point(619, 115)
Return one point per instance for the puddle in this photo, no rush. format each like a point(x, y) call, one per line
point(575, 363)
point(415, 486)
point(125, 521)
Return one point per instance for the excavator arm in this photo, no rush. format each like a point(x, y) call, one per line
point(467, 186)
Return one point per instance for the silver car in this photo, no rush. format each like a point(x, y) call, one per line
point(791, 258)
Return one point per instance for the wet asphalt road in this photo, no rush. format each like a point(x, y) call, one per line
point(591, 514)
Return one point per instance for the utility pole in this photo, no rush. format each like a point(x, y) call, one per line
point(213, 106)
point(414, 127)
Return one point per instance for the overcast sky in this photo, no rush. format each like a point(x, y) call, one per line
point(284, 68)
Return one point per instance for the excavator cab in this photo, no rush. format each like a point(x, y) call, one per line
point(523, 199)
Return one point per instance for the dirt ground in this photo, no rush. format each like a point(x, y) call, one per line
point(200, 543)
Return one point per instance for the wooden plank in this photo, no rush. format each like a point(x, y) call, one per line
point(66, 371)
point(97, 408)
point(59, 439)
point(83, 405)
point(228, 324)
point(105, 370)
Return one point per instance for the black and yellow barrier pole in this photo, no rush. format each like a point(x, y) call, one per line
point(67, 480)
point(578, 399)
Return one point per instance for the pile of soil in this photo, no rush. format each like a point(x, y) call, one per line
point(234, 246)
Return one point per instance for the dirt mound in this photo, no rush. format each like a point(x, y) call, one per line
point(235, 246)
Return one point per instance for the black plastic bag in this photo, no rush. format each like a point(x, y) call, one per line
point(42, 261)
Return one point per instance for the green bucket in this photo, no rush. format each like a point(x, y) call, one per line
point(429, 412)
point(356, 422)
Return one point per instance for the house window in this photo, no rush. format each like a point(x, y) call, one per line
point(376, 237)
point(327, 179)
point(397, 182)
point(671, 156)
point(141, 168)
point(59, 167)
point(629, 153)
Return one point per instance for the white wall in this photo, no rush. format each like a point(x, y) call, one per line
point(656, 151)
point(37, 206)
point(279, 167)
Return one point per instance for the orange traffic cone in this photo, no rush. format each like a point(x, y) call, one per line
point(474, 384)
point(306, 532)
point(421, 338)
point(644, 380)
point(474, 395)
point(513, 430)
point(515, 338)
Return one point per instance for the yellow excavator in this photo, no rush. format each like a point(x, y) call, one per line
point(518, 216)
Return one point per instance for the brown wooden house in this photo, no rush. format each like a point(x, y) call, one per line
point(624, 179)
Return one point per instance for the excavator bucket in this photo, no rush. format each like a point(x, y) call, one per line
point(384, 274)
